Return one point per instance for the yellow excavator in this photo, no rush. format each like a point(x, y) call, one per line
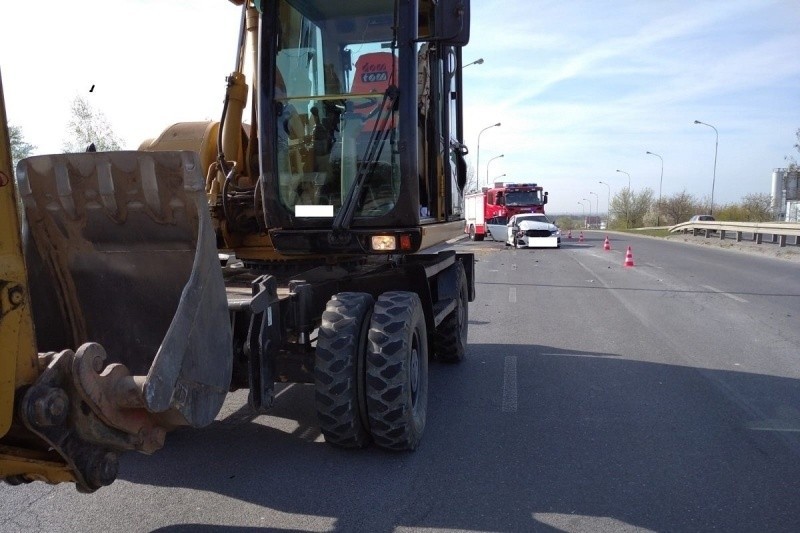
point(138, 288)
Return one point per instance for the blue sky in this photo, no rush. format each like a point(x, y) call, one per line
point(585, 88)
point(581, 88)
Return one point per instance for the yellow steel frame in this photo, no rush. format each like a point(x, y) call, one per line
point(18, 358)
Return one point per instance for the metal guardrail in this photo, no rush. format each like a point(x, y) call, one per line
point(778, 231)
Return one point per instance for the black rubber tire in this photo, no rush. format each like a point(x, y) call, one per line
point(450, 337)
point(339, 364)
point(397, 371)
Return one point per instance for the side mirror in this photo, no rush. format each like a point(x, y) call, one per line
point(545, 198)
point(450, 22)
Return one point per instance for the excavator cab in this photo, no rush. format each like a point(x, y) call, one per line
point(345, 106)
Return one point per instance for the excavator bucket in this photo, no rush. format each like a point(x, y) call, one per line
point(129, 310)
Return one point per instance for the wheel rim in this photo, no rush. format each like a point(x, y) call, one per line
point(414, 371)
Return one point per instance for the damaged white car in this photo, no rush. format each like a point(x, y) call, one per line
point(532, 231)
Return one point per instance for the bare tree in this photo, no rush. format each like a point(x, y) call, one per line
point(757, 207)
point(679, 207)
point(20, 149)
point(89, 128)
point(472, 180)
point(793, 165)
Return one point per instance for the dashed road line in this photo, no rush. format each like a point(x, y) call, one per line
point(729, 295)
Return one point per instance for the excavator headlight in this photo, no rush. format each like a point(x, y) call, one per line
point(384, 243)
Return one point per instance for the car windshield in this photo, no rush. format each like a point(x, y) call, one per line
point(514, 198)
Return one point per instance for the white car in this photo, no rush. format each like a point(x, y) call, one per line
point(532, 231)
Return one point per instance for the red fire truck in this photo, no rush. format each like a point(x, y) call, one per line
point(495, 205)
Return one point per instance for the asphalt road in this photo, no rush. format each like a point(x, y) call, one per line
point(662, 397)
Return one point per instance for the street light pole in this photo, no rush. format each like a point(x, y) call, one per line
point(608, 205)
point(487, 167)
point(583, 215)
point(478, 163)
point(498, 177)
point(596, 205)
point(628, 203)
point(476, 62)
point(714, 178)
point(629, 177)
point(587, 225)
point(660, 182)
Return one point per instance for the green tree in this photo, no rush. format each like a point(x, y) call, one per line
point(642, 204)
point(620, 208)
point(566, 223)
point(20, 149)
point(88, 126)
point(629, 209)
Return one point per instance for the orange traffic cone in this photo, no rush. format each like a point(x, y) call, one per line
point(628, 258)
point(569, 234)
point(580, 239)
point(607, 244)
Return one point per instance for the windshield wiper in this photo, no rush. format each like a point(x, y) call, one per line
point(372, 154)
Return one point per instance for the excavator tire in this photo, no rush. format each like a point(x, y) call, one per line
point(450, 338)
point(397, 371)
point(339, 369)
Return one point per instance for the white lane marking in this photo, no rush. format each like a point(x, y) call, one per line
point(510, 384)
point(512, 294)
point(280, 392)
point(729, 295)
point(774, 425)
point(582, 355)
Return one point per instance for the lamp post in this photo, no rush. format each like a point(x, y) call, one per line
point(498, 177)
point(596, 205)
point(714, 178)
point(590, 206)
point(628, 203)
point(583, 215)
point(478, 61)
point(608, 204)
point(660, 181)
point(487, 167)
point(478, 162)
point(629, 177)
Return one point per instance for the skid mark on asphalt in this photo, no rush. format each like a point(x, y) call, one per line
point(510, 384)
